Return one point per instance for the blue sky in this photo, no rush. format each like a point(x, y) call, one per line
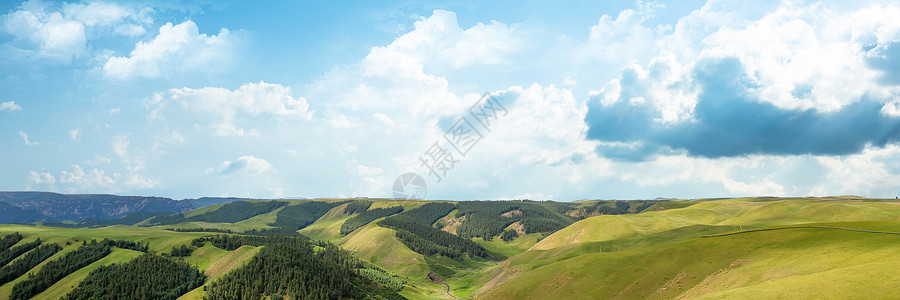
point(617, 100)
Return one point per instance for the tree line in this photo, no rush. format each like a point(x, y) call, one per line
point(427, 240)
point(9, 240)
point(430, 212)
point(147, 276)
point(295, 217)
point(357, 206)
point(227, 213)
point(55, 270)
point(8, 255)
point(289, 266)
point(488, 219)
point(31, 259)
point(218, 230)
point(367, 217)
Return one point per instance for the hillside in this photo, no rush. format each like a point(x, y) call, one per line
point(27, 207)
point(736, 248)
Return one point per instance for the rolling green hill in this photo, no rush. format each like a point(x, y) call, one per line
point(832, 247)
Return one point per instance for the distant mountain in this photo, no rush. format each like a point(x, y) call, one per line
point(207, 201)
point(27, 207)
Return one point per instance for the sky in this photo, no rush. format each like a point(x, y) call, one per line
point(503, 100)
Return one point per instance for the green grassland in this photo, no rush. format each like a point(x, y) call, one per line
point(700, 249)
point(678, 253)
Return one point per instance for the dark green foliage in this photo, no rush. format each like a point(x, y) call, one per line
point(487, 219)
point(30, 260)
point(228, 213)
point(272, 231)
point(290, 267)
point(428, 240)
point(145, 277)
point(9, 240)
point(509, 235)
point(230, 242)
point(129, 219)
point(430, 212)
point(219, 230)
point(123, 244)
point(613, 207)
point(381, 276)
point(357, 206)
point(55, 270)
point(296, 217)
point(366, 217)
point(8, 255)
point(181, 251)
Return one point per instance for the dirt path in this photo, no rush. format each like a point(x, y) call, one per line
point(801, 227)
point(435, 278)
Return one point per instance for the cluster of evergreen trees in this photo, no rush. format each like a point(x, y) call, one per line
point(9, 254)
point(181, 251)
point(145, 277)
point(357, 206)
point(427, 240)
point(272, 232)
point(230, 242)
point(430, 212)
point(228, 213)
point(290, 267)
point(218, 230)
point(486, 219)
point(9, 240)
point(55, 270)
point(509, 235)
point(123, 244)
point(19, 267)
point(367, 217)
point(295, 217)
point(614, 207)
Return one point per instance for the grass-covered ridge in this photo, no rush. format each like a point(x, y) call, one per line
point(714, 248)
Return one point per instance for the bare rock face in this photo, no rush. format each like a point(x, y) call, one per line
point(26, 207)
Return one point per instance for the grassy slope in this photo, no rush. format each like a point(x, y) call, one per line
point(798, 262)
point(68, 283)
point(378, 245)
point(573, 250)
point(216, 262)
point(327, 227)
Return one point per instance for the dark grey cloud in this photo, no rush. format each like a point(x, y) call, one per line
point(729, 120)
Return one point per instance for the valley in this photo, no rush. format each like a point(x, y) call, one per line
point(389, 249)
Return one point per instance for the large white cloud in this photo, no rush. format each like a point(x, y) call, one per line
point(58, 33)
point(176, 49)
point(223, 107)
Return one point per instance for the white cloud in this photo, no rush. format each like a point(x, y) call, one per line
point(176, 49)
point(439, 40)
point(46, 31)
point(41, 178)
point(246, 165)
point(25, 138)
point(137, 181)
point(115, 111)
point(120, 146)
point(75, 134)
point(10, 106)
point(94, 178)
point(224, 107)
